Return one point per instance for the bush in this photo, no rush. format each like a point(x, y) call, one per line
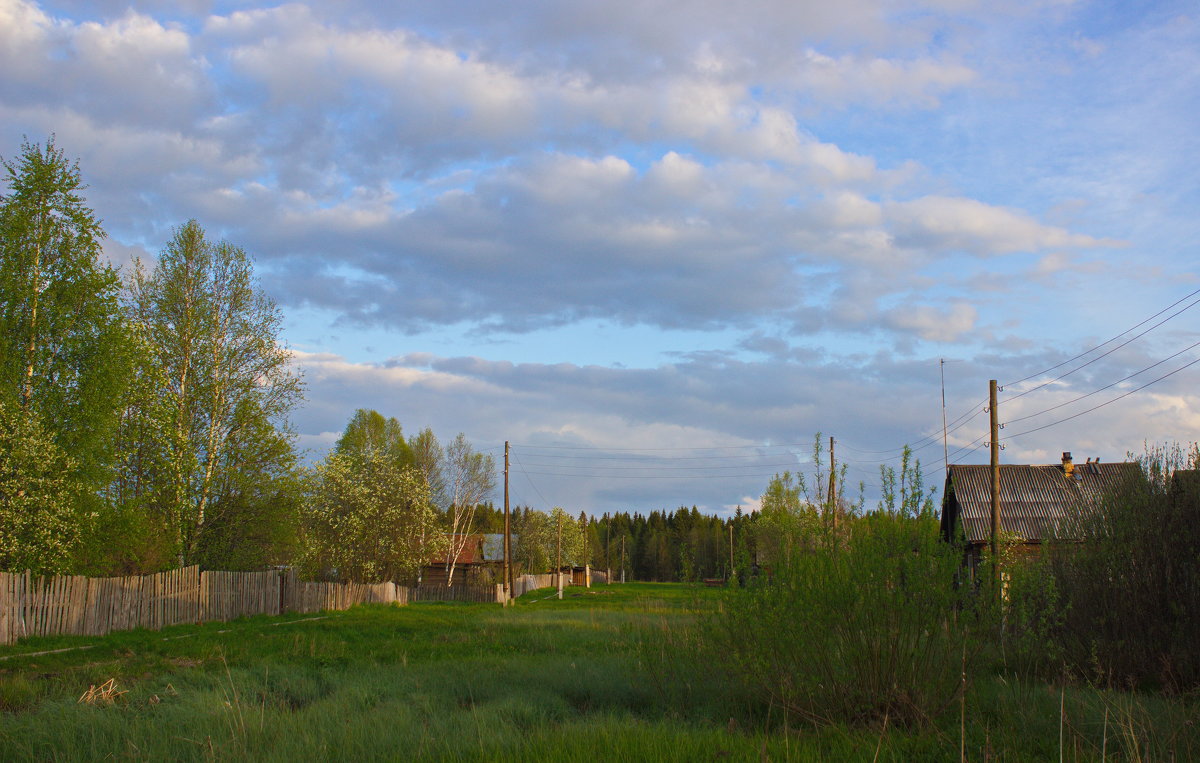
point(1131, 590)
point(866, 628)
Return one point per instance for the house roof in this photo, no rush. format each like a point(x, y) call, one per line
point(472, 550)
point(480, 547)
point(1036, 502)
point(493, 546)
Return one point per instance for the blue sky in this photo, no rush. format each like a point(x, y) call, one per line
point(658, 246)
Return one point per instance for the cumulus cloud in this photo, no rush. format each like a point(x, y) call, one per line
point(958, 224)
point(817, 197)
point(934, 324)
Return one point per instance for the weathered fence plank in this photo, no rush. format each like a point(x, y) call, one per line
point(96, 606)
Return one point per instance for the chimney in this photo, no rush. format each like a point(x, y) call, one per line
point(1068, 464)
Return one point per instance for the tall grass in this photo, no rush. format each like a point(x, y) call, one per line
point(617, 672)
point(867, 627)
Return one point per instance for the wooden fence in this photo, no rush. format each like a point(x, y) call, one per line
point(67, 604)
point(488, 594)
point(304, 596)
point(36, 606)
point(76, 605)
point(526, 583)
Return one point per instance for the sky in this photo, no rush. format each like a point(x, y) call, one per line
point(659, 247)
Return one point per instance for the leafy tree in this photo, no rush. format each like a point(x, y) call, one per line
point(468, 478)
point(460, 479)
point(907, 486)
point(368, 431)
point(64, 350)
point(787, 519)
point(217, 432)
point(427, 455)
point(533, 540)
point(537, 540)
point(369, 519)
point(39, 522)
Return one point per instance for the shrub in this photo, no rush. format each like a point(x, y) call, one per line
point(1131, 590)
point(866, 628)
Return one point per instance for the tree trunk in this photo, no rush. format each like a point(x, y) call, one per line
point(31, 348)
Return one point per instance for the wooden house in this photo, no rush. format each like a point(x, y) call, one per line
point(1037, 502)
point(481, 561)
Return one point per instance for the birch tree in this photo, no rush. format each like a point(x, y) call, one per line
point(369, 431)
point(227, 383)
point(63, 346)
point(467, 478)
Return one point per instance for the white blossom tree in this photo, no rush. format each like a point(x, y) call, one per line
point(369, 519)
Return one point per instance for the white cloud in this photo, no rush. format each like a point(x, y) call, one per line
point(935, 324)
point(850, 78)
point(948, 224)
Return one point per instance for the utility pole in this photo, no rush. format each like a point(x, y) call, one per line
point(560, 585)
point(508, 581)
point(833, 484)
point(731, 548)
point(995, 427)
point(622, 558)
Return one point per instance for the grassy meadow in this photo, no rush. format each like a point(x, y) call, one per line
point(611, 673)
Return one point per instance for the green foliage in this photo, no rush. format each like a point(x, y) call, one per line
point(40, 524)
point(905, 492)
point(64, 350)
point(368, 430)
point(538, 537)
point(369, 519)
point(854, 631)
point(1130, 591)
point(787, 521)
point(1034, 616)
point(208, 451)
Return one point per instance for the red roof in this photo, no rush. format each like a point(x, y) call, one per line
point(471, 553)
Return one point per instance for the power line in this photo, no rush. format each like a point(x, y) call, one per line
point(916, 444)
point(1093, 349)
point(1105, 387)
point(1107, 402)
point(661, 467)
point(531, 484)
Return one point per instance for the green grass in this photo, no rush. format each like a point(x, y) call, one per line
point(545, 680)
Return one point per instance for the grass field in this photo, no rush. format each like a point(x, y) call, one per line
point(544, 680)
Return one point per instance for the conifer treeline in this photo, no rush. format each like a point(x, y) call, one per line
point(669, 546)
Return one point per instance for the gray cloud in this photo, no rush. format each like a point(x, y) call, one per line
point(711, 431)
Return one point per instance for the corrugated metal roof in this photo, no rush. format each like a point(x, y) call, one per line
point(1036, 502)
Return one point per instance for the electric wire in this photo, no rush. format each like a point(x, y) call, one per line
point(531, 483)
point(1105, 387)
point(1105, 403)
point(971, 413)
point(1106, 354)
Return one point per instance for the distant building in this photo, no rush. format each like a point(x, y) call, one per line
point(481, 561)
point(1037, 503)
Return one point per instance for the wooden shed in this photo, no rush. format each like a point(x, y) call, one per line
point(1037, 502)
